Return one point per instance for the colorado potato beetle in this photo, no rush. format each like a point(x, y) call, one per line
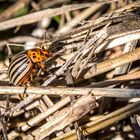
point(26, 64)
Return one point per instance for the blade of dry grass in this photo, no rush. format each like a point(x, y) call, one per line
point(103, 121)
point(113, 63)
point(13, 9)
point(65, 117)
point(37, 16)
point(122, 93)
point(32, 122)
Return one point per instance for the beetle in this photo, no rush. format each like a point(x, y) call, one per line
point(26, 64)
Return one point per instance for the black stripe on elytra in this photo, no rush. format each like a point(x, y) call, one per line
point(19, 59)
point(24, 75)
point(18, 55)
point(18, 73)
point(11, 72)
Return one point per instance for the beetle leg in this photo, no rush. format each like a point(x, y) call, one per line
point(24, 95)
point(39, 72)
point(41, 65)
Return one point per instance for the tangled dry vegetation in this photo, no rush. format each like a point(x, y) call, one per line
point(90, 88)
